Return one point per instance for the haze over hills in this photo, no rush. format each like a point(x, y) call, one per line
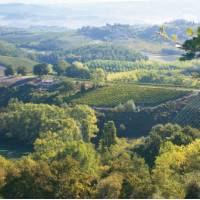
point(95, 13)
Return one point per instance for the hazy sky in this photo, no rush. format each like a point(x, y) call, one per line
point(99, 12)
point(182, 3)
point(60, 1)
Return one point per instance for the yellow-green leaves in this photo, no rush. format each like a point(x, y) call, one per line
point(175, 168)
point(174, 37)
point(190, 32)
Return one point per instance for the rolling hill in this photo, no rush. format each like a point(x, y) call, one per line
point(113, 95)
point(17, 62)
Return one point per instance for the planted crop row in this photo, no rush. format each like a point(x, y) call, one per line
point(190, 114)
point(115, 94)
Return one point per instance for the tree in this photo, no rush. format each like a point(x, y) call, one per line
point(61, 67)
point(129, 106)
point(87, 120)
point(109, 135)
point(110, 187)
point(193, 191)
point(33, 180)
point(26, 122)
point(78, 64)
point(98, 76)
point(71, 181)
point(177, 170)
point(192, 46)
point(6, 167)
point(161, 134)
point(22, 70)
point(9, 71)
point(64, 85)
point(137, 182)
point(78, 70)
point(41, 69)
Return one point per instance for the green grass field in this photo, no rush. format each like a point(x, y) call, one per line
point(16, 62)
point(115, 94)
point(1, 71)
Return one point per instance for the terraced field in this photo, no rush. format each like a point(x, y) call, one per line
point(190, 114)
point(115, 94)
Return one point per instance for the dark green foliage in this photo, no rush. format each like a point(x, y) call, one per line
point(36, 120)
point(61, 67)
point(109, 32)
point(78, 70)
point(134, 121)
point(105, 52)
point(34, 180)
point(136, 177)
point(39, 179)
point(65, 165)
point(193, 191)
point(56, 94)
point(22, 71)
point(128, 107)
point(63, 85)
point(41, 69)
point(192, 47)
point(72, 182)
point(9, 71)
point(98, 77)
point(161, 134)
point(109, 135)
point(23, 93)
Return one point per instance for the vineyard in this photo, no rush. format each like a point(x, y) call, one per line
point(118, 66)
point(190, 114)
point(113, 95)
point(123, 66)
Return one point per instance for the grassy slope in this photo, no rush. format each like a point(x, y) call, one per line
point(113, 95)
point(16, 62)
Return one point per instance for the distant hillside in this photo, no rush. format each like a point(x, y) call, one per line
point(120, 31)
point(110, 32)
point(105, 52)
point(17, 62)
point(8, 49)
point(110, 42)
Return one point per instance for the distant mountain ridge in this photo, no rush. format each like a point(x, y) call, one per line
point(84, 14)
point(147, 32)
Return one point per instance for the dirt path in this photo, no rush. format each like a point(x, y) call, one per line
point(15, 81)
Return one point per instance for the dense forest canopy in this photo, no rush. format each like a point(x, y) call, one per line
point(115, 168)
